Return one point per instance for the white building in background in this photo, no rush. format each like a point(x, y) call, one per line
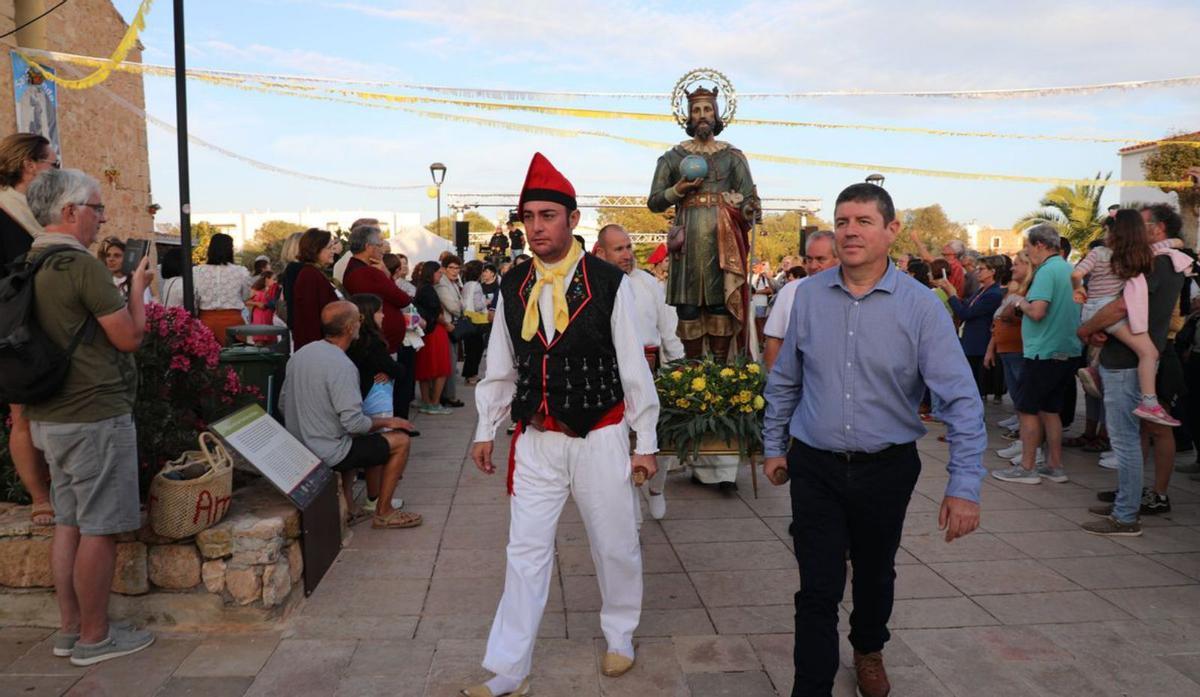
point(1132, 158)
point(243, 226)
point(402, 230)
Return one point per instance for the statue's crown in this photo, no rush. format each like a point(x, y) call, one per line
point(701, 94)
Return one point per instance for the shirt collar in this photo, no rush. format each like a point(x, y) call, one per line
point(886, 284)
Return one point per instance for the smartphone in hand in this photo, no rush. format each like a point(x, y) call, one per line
point(945, 277)
point(135, 251)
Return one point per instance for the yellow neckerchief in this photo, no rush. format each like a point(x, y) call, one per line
point(556, 275)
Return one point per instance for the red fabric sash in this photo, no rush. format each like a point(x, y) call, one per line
point(611, 418)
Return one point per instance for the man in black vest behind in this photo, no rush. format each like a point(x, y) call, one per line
point(564, 357)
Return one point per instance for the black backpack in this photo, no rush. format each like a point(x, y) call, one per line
point(32, 367)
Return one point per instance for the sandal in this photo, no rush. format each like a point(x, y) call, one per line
point(1097, 445)
point(357, 517)
point(41, 510)
point(397, 519)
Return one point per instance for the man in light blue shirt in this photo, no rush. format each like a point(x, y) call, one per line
point(864, 342)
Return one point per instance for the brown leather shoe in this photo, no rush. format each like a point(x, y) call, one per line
point(872, 678)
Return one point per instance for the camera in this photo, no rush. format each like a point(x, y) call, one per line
point(514, 216)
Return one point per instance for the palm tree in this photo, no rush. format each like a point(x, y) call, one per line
point(1074, 211)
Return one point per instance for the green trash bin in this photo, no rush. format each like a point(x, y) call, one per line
point(260, 367)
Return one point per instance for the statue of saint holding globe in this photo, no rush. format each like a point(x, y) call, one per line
point(708, 182)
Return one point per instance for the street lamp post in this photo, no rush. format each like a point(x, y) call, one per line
point(437, 170)
point(876, 179)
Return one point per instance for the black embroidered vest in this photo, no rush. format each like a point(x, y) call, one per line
point(573, 378)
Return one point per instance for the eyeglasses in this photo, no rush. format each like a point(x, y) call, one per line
point(56, 164)
point(98, 207)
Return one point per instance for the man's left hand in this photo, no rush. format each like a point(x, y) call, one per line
point(646, 462)
point(958, 517)
point(399, 424)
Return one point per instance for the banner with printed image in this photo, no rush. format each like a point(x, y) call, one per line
point(36, 99)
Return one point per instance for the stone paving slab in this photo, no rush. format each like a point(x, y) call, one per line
point(1029, 604)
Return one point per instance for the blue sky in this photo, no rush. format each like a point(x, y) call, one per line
point(623, 45)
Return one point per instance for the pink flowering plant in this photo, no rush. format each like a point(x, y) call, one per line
point(181, 386)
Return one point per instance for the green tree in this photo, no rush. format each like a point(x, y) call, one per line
point(202, 232)
point(779, 235)
point(932, 225)
point(1073, 210)
point(444, 226)
point(639, 219)
point(1170, 163)
point(269, 240)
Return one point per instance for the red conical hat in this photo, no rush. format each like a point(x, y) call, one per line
point(659, 253)
point(545, 183)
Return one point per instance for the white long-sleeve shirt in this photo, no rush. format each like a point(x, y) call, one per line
point(656, 321)
point(494, 394)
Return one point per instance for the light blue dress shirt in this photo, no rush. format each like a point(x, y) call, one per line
point(853, 370)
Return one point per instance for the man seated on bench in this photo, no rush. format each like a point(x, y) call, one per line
point(322, 405)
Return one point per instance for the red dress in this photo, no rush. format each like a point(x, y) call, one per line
point(433, 360)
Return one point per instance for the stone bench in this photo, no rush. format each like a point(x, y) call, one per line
point(245, 570)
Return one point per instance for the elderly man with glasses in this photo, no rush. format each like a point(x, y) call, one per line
point(365, 273)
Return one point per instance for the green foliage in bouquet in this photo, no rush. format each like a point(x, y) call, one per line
point(703, 399)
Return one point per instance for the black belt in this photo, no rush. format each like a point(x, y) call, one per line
point(860, 457)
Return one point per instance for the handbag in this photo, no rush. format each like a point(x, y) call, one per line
point(463, 329)
point(181, 507)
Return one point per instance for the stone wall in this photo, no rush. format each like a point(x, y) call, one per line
point(95, 134)
point(248, 567)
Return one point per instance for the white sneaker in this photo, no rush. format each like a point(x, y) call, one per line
point(1108, 460)
point(371, 506)
point(1013, 450)
point(657, 504)
point(1041, 458)
point(1010, 423)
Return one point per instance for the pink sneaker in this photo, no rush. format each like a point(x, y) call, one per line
point(1156, 415)
point(1089, 377)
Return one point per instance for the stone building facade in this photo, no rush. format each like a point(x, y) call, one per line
point(95, 134)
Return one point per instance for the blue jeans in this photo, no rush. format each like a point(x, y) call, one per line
point(1121, 396)
point(1012, 363)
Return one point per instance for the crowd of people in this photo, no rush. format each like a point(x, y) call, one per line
point(1121, 321)
point(564, 345)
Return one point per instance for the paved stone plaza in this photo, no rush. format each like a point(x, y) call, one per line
point(1029, 605)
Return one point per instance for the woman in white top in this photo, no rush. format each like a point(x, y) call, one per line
point(473, 301)
point(222, 287)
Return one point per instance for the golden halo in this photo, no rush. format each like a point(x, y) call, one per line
point(679, 94)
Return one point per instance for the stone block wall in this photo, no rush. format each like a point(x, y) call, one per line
point(95, 134)
point(250, 560)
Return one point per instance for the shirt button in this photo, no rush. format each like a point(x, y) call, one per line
point(856, 303)
point(847, 427)
point(851, 333)
point(848, 365)
point(847, 395)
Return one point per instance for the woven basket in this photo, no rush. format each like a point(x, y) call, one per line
point(182, 508)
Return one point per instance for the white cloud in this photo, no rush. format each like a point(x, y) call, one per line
point(291, 60)
point(828, 44)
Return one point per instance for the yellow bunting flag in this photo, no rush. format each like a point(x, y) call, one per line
point(128, 42)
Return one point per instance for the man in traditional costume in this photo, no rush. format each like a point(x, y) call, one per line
point(707, 280)
point(656, 325)
point(566, 360)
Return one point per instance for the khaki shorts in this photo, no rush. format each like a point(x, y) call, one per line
point(93, 473)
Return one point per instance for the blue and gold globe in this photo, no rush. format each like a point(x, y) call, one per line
point(693, 167)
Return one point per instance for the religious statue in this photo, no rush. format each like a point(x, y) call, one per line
point(715, 207)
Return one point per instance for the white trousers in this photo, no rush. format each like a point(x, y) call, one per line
point(595, 470)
